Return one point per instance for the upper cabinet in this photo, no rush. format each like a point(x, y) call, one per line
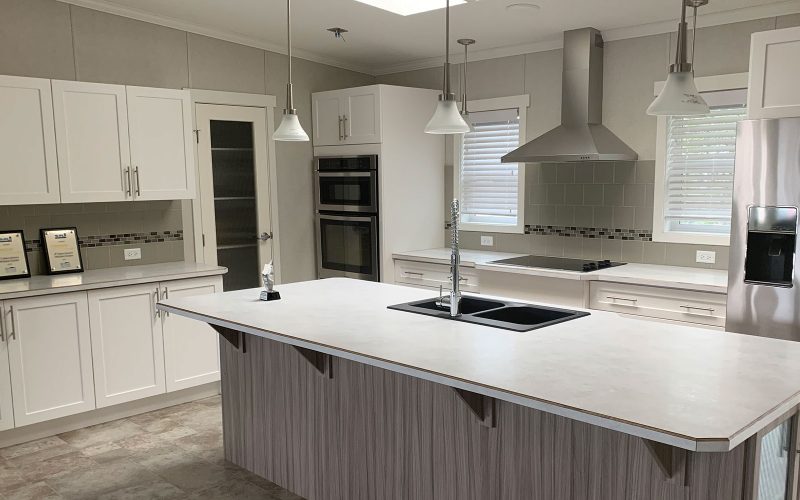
point(28, 165)
point(92, 136)
point(162, 150)
point(774, 72)
point(347, 116)
point(92, 142)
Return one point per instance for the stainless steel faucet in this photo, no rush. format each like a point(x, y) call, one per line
point(454, 300)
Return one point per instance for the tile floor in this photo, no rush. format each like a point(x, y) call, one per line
point(173, 453)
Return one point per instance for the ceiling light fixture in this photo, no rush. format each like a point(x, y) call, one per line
point(290, 128)
point(680, 96)
point(523, 8)
point(446, 117)
point(466, 42)
point(409, 7)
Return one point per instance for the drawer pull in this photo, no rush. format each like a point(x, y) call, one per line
point(630, 302)
point(412, 274)
point(689, 309)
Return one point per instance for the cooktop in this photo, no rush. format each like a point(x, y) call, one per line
point(561, 263)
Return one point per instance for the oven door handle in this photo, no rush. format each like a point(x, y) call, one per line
point(367, 218)
point(345, 174)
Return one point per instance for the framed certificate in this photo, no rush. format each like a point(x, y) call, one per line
point(61, 250)
point(13, 259)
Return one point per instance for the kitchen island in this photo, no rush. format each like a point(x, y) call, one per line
point(333, 396)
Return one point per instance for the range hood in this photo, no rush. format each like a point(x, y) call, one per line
point(581, 135)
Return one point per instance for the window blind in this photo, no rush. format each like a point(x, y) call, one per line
point(699, 170)
point(489, 188)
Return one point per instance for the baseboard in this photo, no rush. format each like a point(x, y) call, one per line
point(102, 415)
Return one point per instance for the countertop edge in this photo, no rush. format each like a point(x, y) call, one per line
point(715, 444)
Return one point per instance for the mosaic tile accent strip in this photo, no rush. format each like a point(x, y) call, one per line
point(112, 240)
point(591, 232)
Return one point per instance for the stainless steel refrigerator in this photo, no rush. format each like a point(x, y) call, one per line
point(763, 286)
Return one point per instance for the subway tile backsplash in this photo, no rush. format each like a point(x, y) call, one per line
point(593, 210)
point(105, 230)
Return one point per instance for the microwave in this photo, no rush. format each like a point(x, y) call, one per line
point(346, 184)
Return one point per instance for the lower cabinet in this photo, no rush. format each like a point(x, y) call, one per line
point(49, 357)
point(191, 348)
point(6, 409)
point(127, 343)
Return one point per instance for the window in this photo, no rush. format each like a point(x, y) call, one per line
point(491, 193)
point(694, 171)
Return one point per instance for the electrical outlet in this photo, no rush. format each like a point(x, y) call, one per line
point(487, 241)
point(133, 253)
point(706, 257)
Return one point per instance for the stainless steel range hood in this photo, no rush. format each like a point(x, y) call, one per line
point(581, 135)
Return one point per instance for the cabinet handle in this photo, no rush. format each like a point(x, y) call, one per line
point(155, 303)
point(689, 309)
point(631, 302)
point(128, 184)
point(13, 333)
point(166, 297)
point(340, 128)
point(411, 273)
point(2, 326)
point(138, 183)
point(344, 133)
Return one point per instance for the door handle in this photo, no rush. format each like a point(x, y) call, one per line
point(128, 191)
point(138, 182)
point(2, 326)
point(344, 133)
point(340, 128)
point(13, 333)
point(265, 236)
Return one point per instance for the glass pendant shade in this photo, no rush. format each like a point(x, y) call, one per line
point(290, 129)
point(446, 119)
point(679, 97)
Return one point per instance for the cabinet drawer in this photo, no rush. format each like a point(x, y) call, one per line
point(702, 308)
point(433, 275)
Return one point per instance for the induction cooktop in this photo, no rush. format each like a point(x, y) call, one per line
point(560, 263)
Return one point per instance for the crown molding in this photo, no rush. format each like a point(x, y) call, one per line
point(782, 8)
point(228, 36)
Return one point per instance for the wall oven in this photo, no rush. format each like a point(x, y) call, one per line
point(346, 194)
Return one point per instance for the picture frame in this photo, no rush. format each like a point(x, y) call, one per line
point(61, 248)
point(13, 256)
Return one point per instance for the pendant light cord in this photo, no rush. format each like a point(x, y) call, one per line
point(694, 36)
point(289, 34)
point(446, 88)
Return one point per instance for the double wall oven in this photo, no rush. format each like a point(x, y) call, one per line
point(346, 198)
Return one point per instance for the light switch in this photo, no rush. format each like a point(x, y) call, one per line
point(133, 253)
point(487, 241)
point(706, 257)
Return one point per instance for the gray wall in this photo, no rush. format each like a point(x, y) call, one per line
point(585, 193)
point(48, 39)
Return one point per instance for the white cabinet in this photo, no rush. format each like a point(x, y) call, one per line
point(6, 408)
point(127, 343)
point(191, 348)
point(774, 73)
point(162, 149)
point(431, 276)
point(28, 165)
point(91, 124)
point(50, 357)
point(347, 116)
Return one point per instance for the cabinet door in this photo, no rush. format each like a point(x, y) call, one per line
point(191, 347)
point(127, 344)
point(92, 141)
point(28, 165)
point(50, 357)
point(774, 74)
point(327, 117)
point(362, 124)
point(162, 149)
point(6, 408)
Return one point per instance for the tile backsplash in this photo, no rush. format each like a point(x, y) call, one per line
point(593, 210)
point(105, 230)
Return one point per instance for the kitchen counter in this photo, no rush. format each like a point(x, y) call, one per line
point(105, 278)
point(686, 387)
point(688, 278)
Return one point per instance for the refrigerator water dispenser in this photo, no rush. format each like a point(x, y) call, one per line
point(771, 245)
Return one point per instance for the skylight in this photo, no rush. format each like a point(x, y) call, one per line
point(409, 7)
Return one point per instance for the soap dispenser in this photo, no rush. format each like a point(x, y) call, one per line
point(268, 273)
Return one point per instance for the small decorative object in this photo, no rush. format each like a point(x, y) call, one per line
point(268, 274)
point(13, 259)
point(61, 250)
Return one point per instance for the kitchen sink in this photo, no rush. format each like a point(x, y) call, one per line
point(494, 313)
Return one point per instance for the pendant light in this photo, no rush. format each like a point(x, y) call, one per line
point(290, 128)
point(680, 96)
point(446, 118)
point(466, 42)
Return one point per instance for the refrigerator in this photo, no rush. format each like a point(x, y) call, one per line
point(763, 286)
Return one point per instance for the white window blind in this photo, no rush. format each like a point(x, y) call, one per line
point(700, 154)
point(489, 188)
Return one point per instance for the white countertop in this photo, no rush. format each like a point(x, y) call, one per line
point(688, 278)
point(693, 388)
point(104, 278)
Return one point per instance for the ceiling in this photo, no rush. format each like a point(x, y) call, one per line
point(381, 42)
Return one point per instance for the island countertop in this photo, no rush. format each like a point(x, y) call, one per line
point(693, 388)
